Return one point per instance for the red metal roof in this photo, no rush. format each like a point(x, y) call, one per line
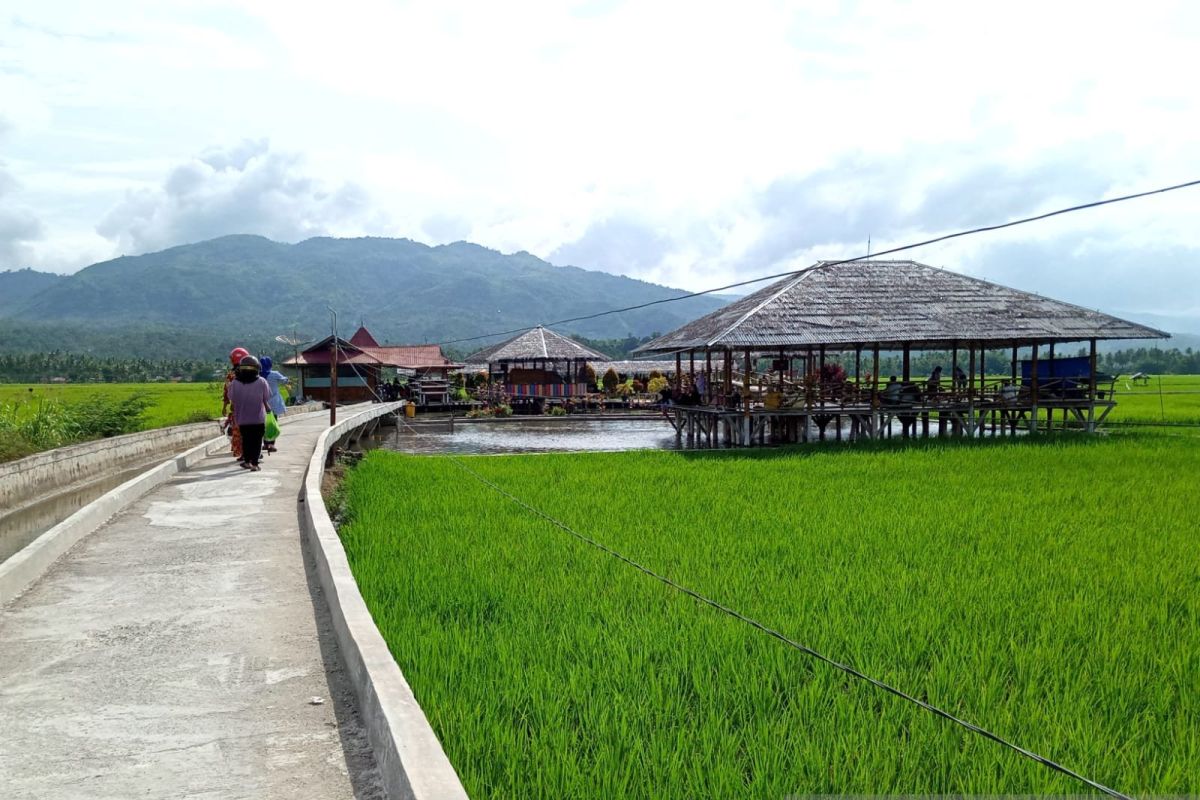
point(421, 356)
point(363, 338)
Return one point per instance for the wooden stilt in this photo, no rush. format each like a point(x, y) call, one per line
point(1091, 410)
point(1033, 389)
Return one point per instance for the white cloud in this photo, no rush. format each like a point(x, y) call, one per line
point(247, 188)
point(691, 144)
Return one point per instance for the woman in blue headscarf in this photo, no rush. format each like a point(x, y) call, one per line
point(274, 380)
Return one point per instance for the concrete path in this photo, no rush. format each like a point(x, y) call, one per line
point(176, 653)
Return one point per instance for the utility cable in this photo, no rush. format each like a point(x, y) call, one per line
point(902, 248)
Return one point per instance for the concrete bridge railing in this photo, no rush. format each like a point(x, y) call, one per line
point(412, 763)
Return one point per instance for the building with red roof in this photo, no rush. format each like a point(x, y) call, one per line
point(363, 364)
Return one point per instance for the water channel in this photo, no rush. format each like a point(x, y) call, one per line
point(21, 526)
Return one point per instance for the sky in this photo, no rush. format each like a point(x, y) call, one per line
point(691, 144)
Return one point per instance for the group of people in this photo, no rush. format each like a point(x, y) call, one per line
point(252, 392)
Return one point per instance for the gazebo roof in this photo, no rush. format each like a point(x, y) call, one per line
point(536, 344)
point(892, 303)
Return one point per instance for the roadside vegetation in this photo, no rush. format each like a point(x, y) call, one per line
point(1045, 589)
point(44, 416)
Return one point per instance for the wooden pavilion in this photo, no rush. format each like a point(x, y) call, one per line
point(361, 365)
point(538, 364)
point(856, 310)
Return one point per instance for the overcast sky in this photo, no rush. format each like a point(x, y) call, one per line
point(688, 143)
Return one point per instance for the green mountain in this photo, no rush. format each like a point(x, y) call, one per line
point(19, 285)
point(250, 288)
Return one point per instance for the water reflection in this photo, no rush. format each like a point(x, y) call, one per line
point(534, 436)
point(19, 528)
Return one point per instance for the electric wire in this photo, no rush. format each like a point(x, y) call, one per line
point(902, 248)
point(731, 612)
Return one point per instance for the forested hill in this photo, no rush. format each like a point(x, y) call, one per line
point(19, 285)
point(248, 286)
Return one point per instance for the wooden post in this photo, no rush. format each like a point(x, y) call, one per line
point(875, 421)
point(971, 375)
point(728, 373)
point(746, 402)
point(708, 376)
point(678, 371)
point(333, 383)
point(906, 374)
point(1014, 366)
point(1033, 390)
point(782, 365)
point(821, 383)
point(982, 380)
point(1091, 419)
point(858, 366)
point(692, 366)
point(971, 390)
point(954, 369)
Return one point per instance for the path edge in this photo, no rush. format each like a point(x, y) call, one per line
point(412, 763)
point(24, 567)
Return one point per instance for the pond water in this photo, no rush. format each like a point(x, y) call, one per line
point(20, 527)
point(542, 435)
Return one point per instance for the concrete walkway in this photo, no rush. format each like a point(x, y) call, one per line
point(177, 652)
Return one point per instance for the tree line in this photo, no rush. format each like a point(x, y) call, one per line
point(86, 368)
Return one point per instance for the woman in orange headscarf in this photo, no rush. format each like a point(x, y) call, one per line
point(235, 436)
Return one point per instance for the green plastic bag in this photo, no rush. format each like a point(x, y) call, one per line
point(272, 431)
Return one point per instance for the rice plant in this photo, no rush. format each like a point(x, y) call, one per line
point(1047, 590)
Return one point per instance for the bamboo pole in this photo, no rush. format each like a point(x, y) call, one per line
point(1033, 390)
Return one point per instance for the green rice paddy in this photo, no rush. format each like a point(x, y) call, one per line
point(1047, 590)
point(36, 417)
point(1172, 399)
point(170, 403)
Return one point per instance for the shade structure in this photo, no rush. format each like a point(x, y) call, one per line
point(892, 304)
point(536, 344)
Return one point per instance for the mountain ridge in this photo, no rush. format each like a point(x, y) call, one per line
point(248, 285)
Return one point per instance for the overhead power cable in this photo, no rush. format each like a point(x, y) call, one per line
point(902, 248)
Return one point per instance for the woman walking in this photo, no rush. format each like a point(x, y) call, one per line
point(274, 380)
point(250, 396)
point(235, 436)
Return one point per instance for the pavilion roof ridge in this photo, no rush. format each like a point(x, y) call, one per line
point(787, 287)
point(858, 302)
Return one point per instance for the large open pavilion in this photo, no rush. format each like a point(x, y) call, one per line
point(854, 311)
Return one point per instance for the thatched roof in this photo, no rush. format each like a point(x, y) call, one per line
point(537, 344)
point(892, 303)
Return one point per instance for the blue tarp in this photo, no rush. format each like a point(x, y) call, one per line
point(1048, 369)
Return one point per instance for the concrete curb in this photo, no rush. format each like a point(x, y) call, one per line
point(25, 480)
point(412, 763)
point(24, 567)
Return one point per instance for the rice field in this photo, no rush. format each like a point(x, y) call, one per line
point(1167, 398)
point(1047, 590)
point(36, 417)
point(170, 403)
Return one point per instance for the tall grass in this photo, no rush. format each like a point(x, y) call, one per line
point(28, 427)
point(1049, 591)
point(42, 416)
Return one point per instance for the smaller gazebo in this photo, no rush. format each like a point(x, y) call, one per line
point(539, 363)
